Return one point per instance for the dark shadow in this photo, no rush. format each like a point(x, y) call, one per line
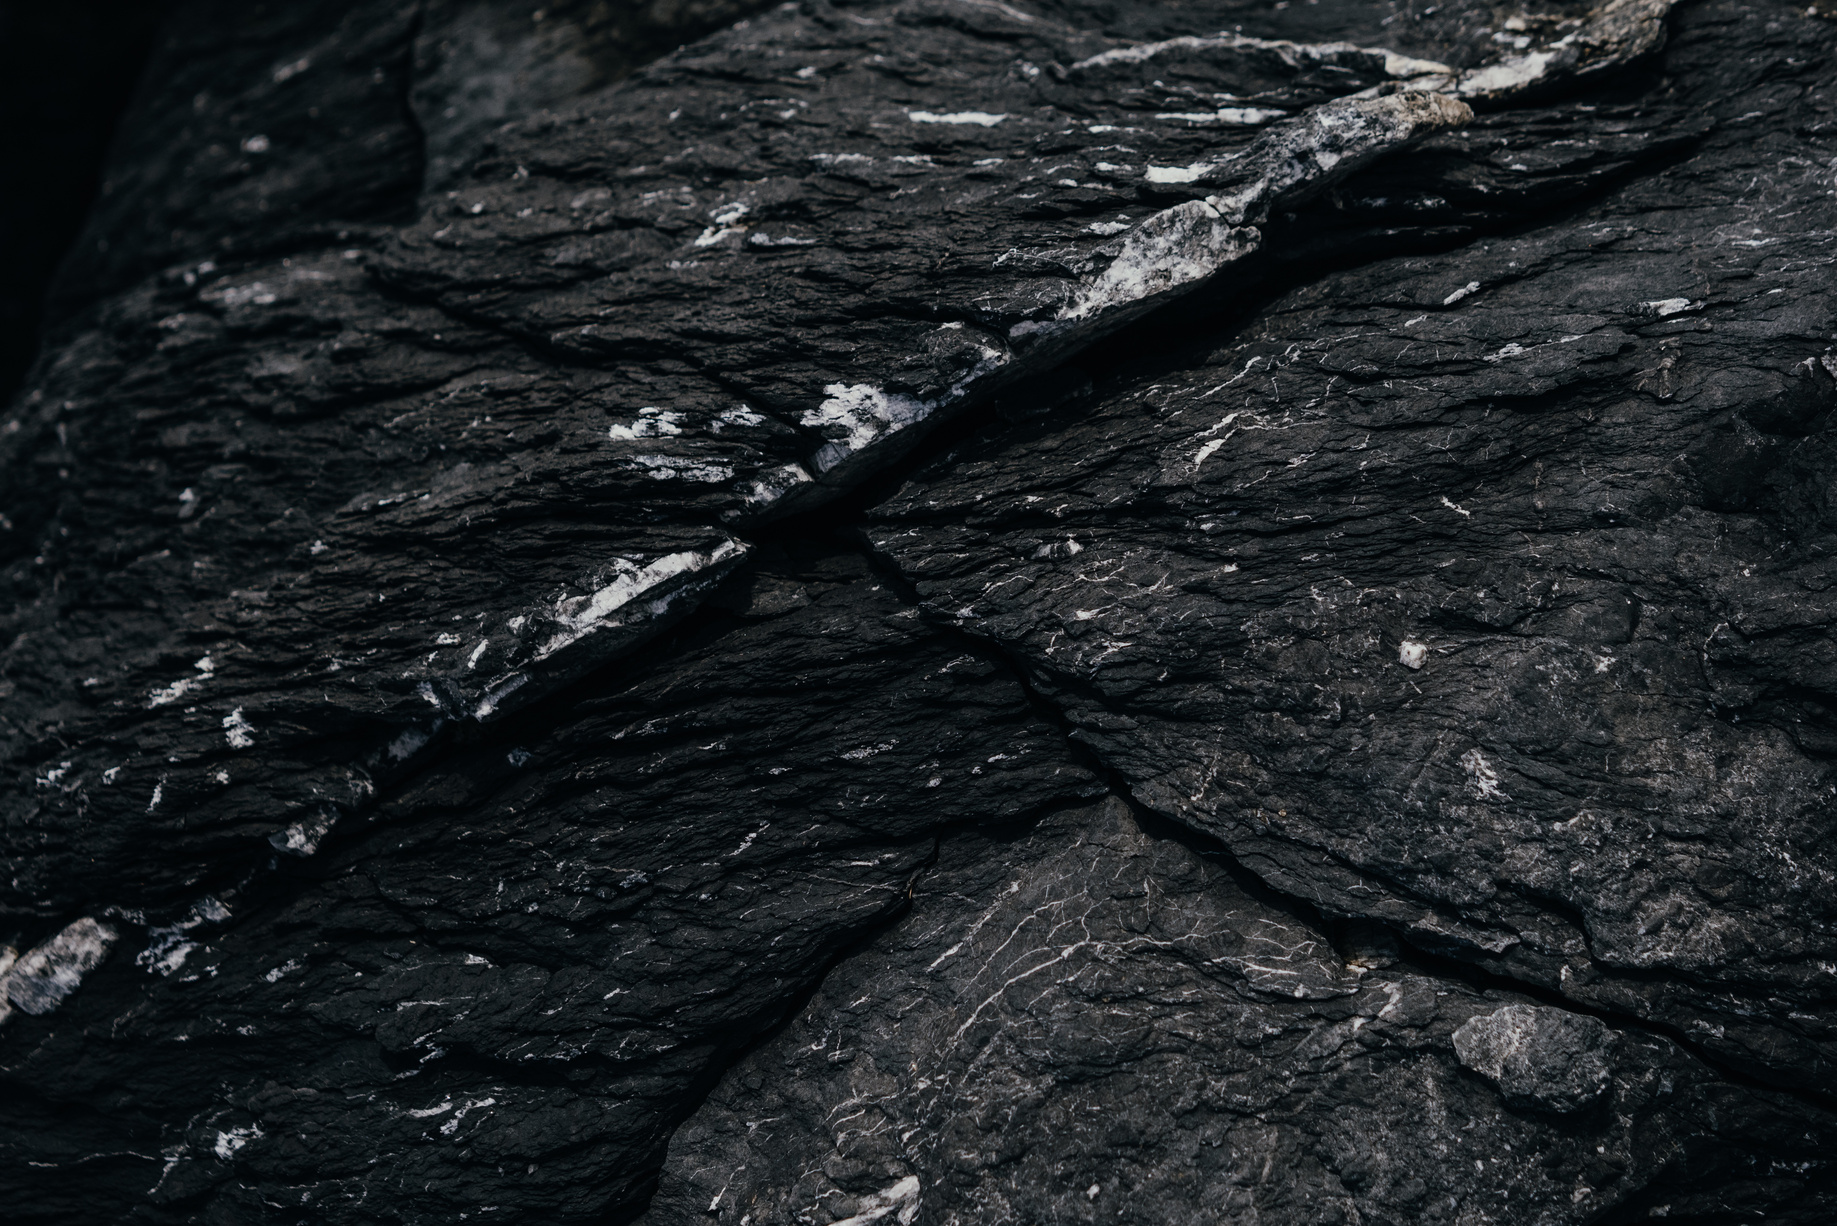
point(66, 72)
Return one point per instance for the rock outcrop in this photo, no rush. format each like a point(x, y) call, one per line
point(933, 611)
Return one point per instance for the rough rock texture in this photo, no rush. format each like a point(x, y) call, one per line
point(1544, 1057)
point(1086, 1021)
point(933, 611)
point(1479, 594)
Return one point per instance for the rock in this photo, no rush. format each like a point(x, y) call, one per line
point(926, 611)
point(1550, 1058)
point(1091, 1020)
point(39, 980)
point(1388, 676)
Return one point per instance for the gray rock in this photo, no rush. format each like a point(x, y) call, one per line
point(1550, 1058)
point(932, 611)
point(39, 980)
point(1533, 708)
point(1092, 1021)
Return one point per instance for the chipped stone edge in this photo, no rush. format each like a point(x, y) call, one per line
point(584, 632)
point(1180, 248)
point(1614, 35)
point(576, 635)
point(1163, 257)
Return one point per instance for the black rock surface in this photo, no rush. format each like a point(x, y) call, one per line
point(933, 612)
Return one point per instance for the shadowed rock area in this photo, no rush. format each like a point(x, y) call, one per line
point(932, 612)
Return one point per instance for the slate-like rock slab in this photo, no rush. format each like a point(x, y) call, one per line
point(932, 611)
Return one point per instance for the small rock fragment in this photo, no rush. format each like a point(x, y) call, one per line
point(40, 980)
point(1537, 1056)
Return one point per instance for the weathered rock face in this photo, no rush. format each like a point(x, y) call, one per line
point(1090, 1022)
point(933, 612)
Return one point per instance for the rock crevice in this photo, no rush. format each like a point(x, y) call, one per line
point(929, 611)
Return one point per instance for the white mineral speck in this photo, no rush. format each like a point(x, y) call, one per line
point(237, 730)
point(1175, 174)
point(980, 118)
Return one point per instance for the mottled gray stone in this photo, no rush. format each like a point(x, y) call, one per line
point(1549, 1058)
